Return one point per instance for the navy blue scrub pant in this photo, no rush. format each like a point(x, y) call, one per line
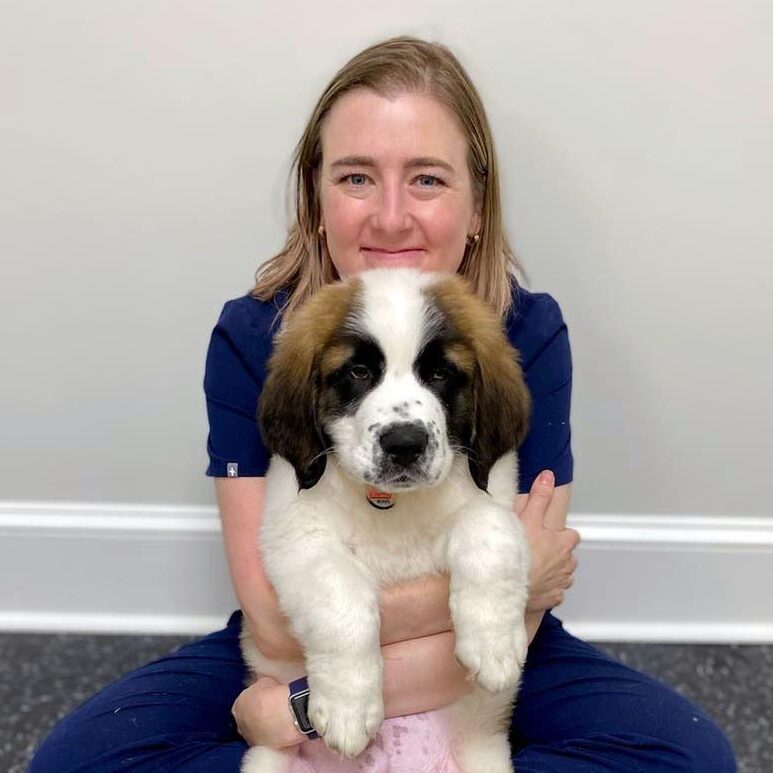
point(578, 710)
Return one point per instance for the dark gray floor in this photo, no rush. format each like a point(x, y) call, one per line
point(43, 677)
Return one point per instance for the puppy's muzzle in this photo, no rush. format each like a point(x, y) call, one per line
point(403, 444)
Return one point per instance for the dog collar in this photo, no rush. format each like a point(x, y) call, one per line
point(381, 500)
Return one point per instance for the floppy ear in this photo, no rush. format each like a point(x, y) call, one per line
point(501, 407)
point(501, 403)
point(288, 407)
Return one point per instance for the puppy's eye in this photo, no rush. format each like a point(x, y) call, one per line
point(441, 374)
point(359, 372)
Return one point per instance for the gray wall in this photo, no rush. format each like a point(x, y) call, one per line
point(144, 149)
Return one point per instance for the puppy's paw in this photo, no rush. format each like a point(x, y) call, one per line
point(346, 719)
point(493, 658)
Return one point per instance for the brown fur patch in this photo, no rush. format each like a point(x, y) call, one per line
point(462, 356)
point(334, 356)
point(288, 400)
point(502, 403)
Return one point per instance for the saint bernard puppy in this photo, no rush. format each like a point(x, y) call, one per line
point(393, 408)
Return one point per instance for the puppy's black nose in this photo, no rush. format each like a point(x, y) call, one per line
point(404, 443)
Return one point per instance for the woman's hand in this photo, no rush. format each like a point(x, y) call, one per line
point(552, 550)
point(263, 717)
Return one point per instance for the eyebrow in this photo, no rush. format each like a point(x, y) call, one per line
point(413, 163)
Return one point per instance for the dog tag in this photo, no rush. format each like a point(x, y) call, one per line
point(382, 500)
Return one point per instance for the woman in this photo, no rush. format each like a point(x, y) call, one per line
point(396, 167)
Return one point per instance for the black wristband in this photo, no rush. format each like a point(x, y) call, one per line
point(299, 707)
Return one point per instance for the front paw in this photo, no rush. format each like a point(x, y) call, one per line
point(494, 658)
point(346, 718)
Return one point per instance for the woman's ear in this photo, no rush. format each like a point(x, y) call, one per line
point(474, 226)
point(476, 220)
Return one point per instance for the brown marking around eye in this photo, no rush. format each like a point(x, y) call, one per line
point(335, 356)
point(310, 331)
point(461, 355)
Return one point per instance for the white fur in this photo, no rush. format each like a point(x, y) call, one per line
point(395, 314)
point(327, 552)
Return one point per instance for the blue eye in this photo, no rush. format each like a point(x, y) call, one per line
point(429, 181)
point(357, 179)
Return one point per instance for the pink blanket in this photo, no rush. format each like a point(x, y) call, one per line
point(419, 743)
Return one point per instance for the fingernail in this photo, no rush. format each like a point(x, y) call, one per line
point(546, 478)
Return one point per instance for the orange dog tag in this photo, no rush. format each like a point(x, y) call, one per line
point(382, 500)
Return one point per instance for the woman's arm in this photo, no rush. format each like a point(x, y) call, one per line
point(240, 501)
point(408, 611)
point(421, 673)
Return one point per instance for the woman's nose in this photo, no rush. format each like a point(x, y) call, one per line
point(392, 213)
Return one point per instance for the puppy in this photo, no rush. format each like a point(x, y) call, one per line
point(393, 407)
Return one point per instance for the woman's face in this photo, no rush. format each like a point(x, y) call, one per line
point(394, 185)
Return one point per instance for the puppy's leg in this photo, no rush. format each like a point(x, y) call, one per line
point(488, 563)
point(485, 755)
point(480, 724)
point(332, 606)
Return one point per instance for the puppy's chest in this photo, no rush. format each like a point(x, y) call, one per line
point(394, 547)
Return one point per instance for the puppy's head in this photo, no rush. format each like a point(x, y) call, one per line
point(395, 372)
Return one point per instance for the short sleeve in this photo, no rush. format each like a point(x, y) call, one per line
point(234, 375)
point(541, 336)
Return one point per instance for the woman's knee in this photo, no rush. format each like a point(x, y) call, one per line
point(676, 733)
point(141, 725)
point(579, 702)
point(709, 749)
point(194, 755)
point(60, 753)
point(180, 704)
point(706, 750)
point(685, 728)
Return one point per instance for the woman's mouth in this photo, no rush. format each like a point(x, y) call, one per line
point(393, 255)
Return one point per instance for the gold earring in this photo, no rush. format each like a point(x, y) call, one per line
point(473, 240)
point(321, 230)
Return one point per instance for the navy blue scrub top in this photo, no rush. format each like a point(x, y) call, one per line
point(236, 369)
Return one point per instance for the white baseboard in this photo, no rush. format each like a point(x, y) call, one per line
point(104, 568)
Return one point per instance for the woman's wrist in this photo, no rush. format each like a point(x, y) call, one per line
point(533, 620)
point(285, 733)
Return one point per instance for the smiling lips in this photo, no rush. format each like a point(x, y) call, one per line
point(387, 254)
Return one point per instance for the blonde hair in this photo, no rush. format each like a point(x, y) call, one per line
point(402, 64)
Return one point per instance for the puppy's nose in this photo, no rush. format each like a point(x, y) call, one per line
point(404, 443)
